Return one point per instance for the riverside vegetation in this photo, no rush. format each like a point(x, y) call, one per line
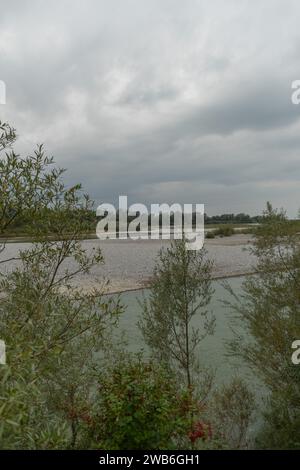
point(67, 386)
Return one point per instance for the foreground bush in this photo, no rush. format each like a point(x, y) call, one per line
point(140, 406)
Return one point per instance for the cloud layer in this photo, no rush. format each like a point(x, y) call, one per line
point(162, 100)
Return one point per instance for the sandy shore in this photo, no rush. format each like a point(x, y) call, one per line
point(129, 264)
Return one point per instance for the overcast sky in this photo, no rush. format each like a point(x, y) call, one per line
point(160, 100)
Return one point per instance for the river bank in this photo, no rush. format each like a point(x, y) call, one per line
point(128, 264)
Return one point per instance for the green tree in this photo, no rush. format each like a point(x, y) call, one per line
point(269, 309)
point(180, 292)
point(52, 330)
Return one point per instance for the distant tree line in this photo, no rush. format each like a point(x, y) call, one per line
point(21, 224)
point(240, 218)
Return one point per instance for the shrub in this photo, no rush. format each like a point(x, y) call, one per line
point(139, 407)
point(233, 407)
point(210, 234)
point(224, 231)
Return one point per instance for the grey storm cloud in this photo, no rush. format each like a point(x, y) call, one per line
point(162, 100)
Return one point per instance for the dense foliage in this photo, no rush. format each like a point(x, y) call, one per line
point(269, 310)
